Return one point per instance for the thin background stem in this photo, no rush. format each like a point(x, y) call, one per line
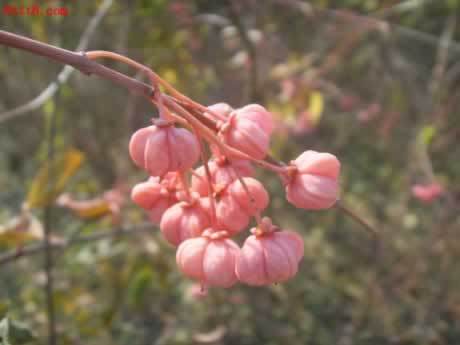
point(255, 94)
point(47, 224)
point(37, 248)
point(357, 218)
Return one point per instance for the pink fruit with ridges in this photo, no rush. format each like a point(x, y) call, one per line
point(146, 194)
point(248, 129)
point(185, 220)
point(269, 258)
point(155, 196)
point(231, 216)
point(314, 184)
point(235, 207)
point(209, 260)
point(164, 148)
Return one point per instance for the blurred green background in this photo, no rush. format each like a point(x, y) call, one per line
point(376, 83)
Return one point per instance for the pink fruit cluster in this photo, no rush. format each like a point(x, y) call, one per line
point(200, 210)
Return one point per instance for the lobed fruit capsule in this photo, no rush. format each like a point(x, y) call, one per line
point(314, 184)
point(156, 195)
point(210, 259)
point(237, 204)
point(248, 129)
point(163, 148)
point(269, 258)
point(185, 220)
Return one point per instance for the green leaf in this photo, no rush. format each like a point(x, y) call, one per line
point(425, 135)
point(140, 284)
point(49, 108)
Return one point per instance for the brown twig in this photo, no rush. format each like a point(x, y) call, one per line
point(75, 59)
point(88, 66)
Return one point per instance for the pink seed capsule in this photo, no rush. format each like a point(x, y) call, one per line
point(210, 259)
point(248, 129)
point(162, 148)
point(222, 174)
point(268, 258)
point(146, 194)
point(427, 193)
point(314, 184)
point(235, 208)
point(185, 220)
point(155, 196)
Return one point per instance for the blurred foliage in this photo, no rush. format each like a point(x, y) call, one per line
point(52, 178)
point(14, 332)
point(375, 82)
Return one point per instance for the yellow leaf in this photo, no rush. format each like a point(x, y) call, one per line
point(52, 178)
point(95, 210)
point(20, 230)
point(316, 107)
point(86, 209)
point(284, 111)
